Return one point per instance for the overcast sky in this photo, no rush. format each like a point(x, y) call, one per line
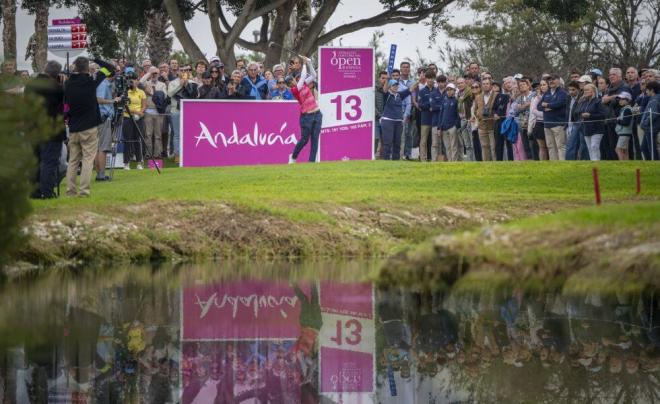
point(407, 37)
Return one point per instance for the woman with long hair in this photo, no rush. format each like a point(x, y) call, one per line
point(592, 116)
point(524, 102)
point(538, 132)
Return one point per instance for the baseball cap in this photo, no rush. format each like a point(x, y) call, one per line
point(585, 79)
point(214, 59)
point(451, 85)
point(597, 72)
point(393, 82)
point(206, 75)
point(518, 76)
point(625, 96)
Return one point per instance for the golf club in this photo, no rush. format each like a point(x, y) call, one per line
point(273, 44)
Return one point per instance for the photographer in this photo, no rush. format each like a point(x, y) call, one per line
point(84, 118)
point(179, 89)
point(107, 110)
point(137, 104)
point(49, 86)
point(156, 89)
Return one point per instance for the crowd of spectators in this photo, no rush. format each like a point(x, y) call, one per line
point(427, 116)
point(473, 117)
point(152, 108)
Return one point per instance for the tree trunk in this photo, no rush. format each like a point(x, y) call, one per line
point(40, 49)
point(281, 26)
point(188, 44)
point(159, 40)
point(9, 30)
point(303, 20)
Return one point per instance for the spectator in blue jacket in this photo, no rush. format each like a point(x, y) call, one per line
point(281, 92)
point(424, 102)
point(437, 97)
point(650, 123)
point(554, 118)
point(253, 85)
point(450, 122)
point(391, 122)
point(592, 115)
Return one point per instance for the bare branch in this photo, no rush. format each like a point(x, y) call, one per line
point(390, 16)
point(266, 9)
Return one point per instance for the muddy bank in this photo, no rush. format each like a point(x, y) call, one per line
point(201, 230)
point(552, 256)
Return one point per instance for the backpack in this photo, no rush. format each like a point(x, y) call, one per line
point(160, 101)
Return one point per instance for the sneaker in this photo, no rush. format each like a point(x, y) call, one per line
point(139, 166)
point(127, 166)
point(101, 179)
point(291, 159)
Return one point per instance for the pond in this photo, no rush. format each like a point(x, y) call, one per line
point(319, 333)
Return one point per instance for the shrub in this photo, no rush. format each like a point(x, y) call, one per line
point(23, 124)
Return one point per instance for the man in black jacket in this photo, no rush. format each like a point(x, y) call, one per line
point(84, 117)
point(499, 115)
point(49, 86)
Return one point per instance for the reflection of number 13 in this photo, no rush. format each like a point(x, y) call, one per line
point(354, 102)
point(354, 328)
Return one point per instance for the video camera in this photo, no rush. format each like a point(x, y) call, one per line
point(122, 84)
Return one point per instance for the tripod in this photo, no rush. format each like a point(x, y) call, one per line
point(118, 136)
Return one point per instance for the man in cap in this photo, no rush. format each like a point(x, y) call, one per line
point(624, 125)
point(450, 123)
point(554, 117)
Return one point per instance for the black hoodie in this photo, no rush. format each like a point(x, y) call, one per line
point(80, 94)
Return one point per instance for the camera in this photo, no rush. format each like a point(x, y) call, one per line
point(486, 112)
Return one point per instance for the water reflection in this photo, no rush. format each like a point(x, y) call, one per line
point(188, 335)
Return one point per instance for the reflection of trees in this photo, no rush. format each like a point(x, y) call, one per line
point(535, 347)
point(55, 324)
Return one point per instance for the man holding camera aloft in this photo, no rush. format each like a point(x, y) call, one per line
point(84, 119)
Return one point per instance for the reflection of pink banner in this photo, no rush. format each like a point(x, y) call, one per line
point(241, 310)
point(347, 338)
point(227, 133)
point(348, 103)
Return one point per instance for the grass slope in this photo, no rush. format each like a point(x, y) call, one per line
point(332, 209)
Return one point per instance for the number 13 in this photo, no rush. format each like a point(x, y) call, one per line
point(354, 102)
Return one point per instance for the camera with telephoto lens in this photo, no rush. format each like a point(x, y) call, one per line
point(122, 84)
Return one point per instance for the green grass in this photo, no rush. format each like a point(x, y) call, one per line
point(343, 209)
point(296, 190)
point(613, 216)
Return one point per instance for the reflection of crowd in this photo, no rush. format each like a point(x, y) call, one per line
point(236, 371)
point(542, 342)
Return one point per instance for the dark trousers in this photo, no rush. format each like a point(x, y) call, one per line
point(500, 142)
point(528, 142)
point(132, 143)
point(391, 138)
point(310, 126)
point(635, 147)
point(49, 160)
point(608, 144)
point(649, 148)
point(476, 145)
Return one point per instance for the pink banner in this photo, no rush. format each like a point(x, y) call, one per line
point(348, 103)
point(241, 310)
point(229, 133)
point(345, 69)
